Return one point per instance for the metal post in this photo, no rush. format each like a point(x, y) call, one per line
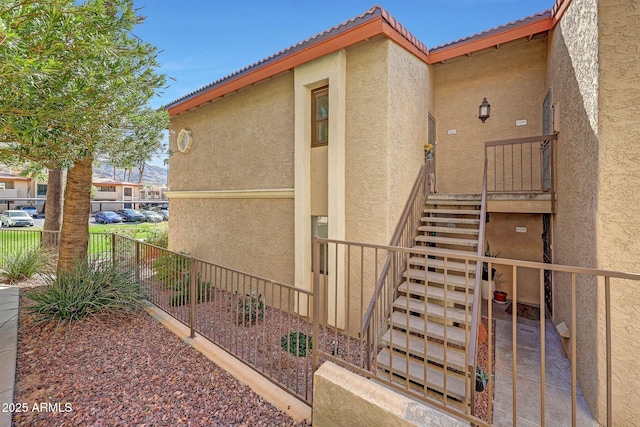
point(137, 260)
point(316, 304)
point(192, 297)
point(113, 248)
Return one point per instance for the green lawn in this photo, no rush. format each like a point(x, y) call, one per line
point(14, 239)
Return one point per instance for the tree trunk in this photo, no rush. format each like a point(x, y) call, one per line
point(53, 207)
point(74, 238)
point(141, 171)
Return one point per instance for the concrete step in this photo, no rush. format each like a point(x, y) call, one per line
point(435, 352)
point(436, 311)
point(452, 253)
point(437, 293)
point(439, 278)
point(447, 240)
point(414, 370)
point(452, 211)
point(448, 202)
point(417, 324)
point(449, 220)
point(457, 197)
point(438, 264)
point(448, 230)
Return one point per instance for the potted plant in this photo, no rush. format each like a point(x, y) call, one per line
point(499, 295)
point(428, 151)
point(482, 378)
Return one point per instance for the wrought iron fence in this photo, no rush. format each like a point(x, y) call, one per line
point(264, 323)
point(519, 354)
point(285, 333)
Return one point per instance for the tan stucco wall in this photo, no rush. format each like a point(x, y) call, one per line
point(342, 398)
point(512, 78)
point(410, 101)
point(618, 201)
point(242, 141)
point(250, 235)
point(366, 151)
point(508, 243)
point(389, 95)
point(573, 77)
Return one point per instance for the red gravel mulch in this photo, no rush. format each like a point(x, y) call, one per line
point(129, 371)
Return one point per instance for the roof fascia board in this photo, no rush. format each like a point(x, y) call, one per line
point(342, 40)
point(559, 9)
point(474, 45)
point(394, 35)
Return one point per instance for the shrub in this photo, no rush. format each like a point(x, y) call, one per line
point(172, 270)
point(158, 237)
point(23, 264)
point(181, 297)
point(88, 289)
point(296, 343)
point(250, 309)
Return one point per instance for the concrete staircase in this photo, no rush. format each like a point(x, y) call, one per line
point(435, 300)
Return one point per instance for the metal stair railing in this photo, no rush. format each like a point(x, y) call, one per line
point(472, 347)
point(391, 275)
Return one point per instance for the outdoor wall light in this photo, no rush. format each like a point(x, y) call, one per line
point(484, 110)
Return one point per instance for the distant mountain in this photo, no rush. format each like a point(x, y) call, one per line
point(152, 174)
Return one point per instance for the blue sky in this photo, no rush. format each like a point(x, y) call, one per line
point(203, 40)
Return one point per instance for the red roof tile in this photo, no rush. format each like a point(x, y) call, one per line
point(373, 13)
point(515, 29)
point(497, 30)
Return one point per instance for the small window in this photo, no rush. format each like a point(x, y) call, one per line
point(107, 188)
point(320, 117)
point(42, 189)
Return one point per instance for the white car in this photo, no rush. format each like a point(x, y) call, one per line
point(151, 216)
point(16, 219)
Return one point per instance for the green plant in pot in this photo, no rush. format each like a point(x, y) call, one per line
point(482, 378)
point(499, 295)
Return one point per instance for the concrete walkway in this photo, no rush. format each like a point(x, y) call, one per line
point(557, 376)
point(8, 348)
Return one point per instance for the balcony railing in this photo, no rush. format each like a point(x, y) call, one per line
point(523, 165)
point(8, 193)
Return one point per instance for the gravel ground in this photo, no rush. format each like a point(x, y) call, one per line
point(132, 371)
point(129, 371)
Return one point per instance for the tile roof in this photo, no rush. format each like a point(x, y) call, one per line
point(470, 43)
point(496, 30)
point(371, 14)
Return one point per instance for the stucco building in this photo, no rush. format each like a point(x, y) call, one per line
point(328, 136)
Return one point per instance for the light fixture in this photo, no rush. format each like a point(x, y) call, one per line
point(484, 110)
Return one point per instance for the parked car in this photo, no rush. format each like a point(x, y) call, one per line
point(164, 214)
point(15, 218)
point(131, 215)
point(31, 210)
point(151, 216)
point(107, 217)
